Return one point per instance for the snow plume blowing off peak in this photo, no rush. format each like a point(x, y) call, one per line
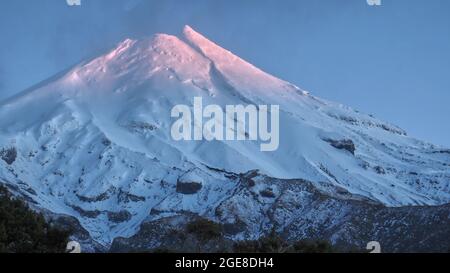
point(95, 142)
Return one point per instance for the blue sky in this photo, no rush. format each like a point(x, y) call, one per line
point(392, 61)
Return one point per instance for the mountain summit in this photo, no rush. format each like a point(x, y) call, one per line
point(94, 143)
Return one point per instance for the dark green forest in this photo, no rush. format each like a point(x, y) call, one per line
point(24, 231)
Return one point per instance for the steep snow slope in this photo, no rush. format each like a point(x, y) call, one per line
point(94, 142)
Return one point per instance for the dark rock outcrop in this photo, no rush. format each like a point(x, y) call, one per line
point(119, 217)
point(343, 144)
point(87, 213)
point(8, 155)
point(188, 187)
point(267, 193)
point(379, 170)
point(93, 199)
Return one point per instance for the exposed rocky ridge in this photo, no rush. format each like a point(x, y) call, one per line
point(298, 210)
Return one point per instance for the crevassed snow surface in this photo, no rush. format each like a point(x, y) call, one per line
point(94, 142)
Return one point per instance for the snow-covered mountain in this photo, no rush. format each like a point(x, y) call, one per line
point(94, 143)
